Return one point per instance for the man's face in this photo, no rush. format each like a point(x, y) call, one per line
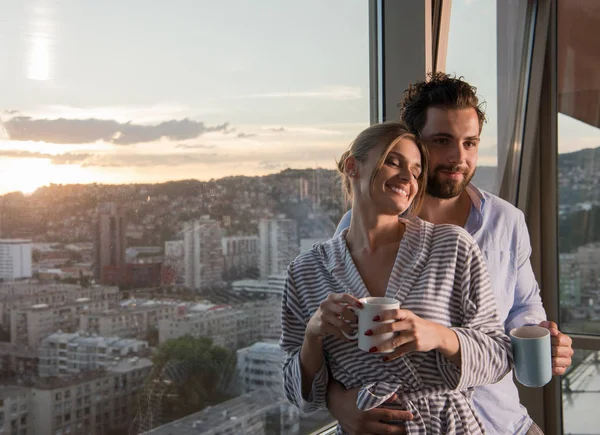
point(452, 139)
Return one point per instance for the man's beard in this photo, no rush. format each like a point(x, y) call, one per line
point(446, 189)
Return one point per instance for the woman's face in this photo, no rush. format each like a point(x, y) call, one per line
point(395, 185)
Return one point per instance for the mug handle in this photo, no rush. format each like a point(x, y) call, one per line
point(354, 336)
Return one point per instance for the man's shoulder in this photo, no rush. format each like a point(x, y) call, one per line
point(498, 208)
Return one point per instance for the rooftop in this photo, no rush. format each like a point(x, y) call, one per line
point(215, 417)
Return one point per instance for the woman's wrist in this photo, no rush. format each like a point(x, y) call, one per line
point(449, 346)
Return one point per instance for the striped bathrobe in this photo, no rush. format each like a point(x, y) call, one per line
point(440, 275)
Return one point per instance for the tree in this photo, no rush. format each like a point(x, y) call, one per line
point(189, 374)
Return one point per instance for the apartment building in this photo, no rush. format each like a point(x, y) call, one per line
point(229, 327)
point(23, 294)
point(129, 321)
point(259, 413)
point(260, 367)
point(63, 353)
point(15, 412)
point(15, 259)
point(28, 326)
point(93, 403)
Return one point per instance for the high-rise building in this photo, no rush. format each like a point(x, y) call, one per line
point(203, 254)
point(109, 245)
point(278, 245)
point(15, 259)
point(240, 255)
point(260, 366)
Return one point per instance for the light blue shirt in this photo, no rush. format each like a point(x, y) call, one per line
point(500, 231)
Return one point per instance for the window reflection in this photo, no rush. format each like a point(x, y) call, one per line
point(579, 204)
point(157, 176)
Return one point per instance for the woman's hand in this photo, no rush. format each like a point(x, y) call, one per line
point(333, 317)
point(414, 334)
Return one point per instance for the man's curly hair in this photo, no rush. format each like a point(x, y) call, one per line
point(438, 90)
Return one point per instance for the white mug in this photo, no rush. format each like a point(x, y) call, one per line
point(372, 306)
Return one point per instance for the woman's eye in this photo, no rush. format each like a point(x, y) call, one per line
point(394, 163)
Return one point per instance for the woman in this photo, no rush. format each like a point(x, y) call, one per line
point(448, 337)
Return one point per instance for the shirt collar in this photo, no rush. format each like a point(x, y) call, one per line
point(475, 219)
point(476, 196)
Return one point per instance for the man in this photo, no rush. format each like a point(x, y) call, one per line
point(444, 112)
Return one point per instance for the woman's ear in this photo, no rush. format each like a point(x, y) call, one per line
point(351, 167)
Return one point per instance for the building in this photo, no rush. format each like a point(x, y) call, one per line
point(260, 367)
point(142, 275)
point(17, 362)
point(203, 255)
point(15, 259)
point(215, 321)
point(569, 281)
point(109, 243)
point(134, 321)
point(28, 326)
point(15, 411)
point(173, 265)
point(24, 294)
point(278, 245)
point(228, 327)
point(63, 354)
point(101, 402)
point(258, 413)
point(240, 256)
point(272, 286)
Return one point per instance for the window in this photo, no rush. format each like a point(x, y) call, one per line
point(200, 91)
point(475, 59)
point(578, 61)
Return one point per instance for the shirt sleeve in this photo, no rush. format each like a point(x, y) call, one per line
point(292, 337)
point(527, 308)
point(486, 352)
point(344, 223)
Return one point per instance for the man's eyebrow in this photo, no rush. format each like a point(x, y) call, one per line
point(451, 136)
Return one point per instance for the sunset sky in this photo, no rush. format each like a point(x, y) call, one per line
point(125, 91)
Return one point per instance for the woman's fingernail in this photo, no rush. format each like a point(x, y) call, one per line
point(358, 304)
point(373, 349)
point(385, 358)
point(376, 318)
point(369, 332)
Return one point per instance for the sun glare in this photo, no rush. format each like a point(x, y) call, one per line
point(27, 175)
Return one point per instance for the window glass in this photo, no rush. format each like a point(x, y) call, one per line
point(578, 62)
point(161, 163)
point(472, 55)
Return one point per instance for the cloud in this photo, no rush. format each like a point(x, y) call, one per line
point(341, 93)
point(276, 129)
point(57, 159)
point(78, 131)
point(245, 135)
point(153, 160)
point(191, 147)
point(118, 160)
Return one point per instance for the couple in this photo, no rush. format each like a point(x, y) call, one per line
point(445, 348)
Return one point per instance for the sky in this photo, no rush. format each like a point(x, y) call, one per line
point(124, 91)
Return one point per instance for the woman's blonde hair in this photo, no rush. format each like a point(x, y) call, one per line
point(387, 134)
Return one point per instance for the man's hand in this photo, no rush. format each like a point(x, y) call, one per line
point(342, 405)
point(561, 348)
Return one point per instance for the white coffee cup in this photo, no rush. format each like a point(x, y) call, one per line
point(372, 306)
